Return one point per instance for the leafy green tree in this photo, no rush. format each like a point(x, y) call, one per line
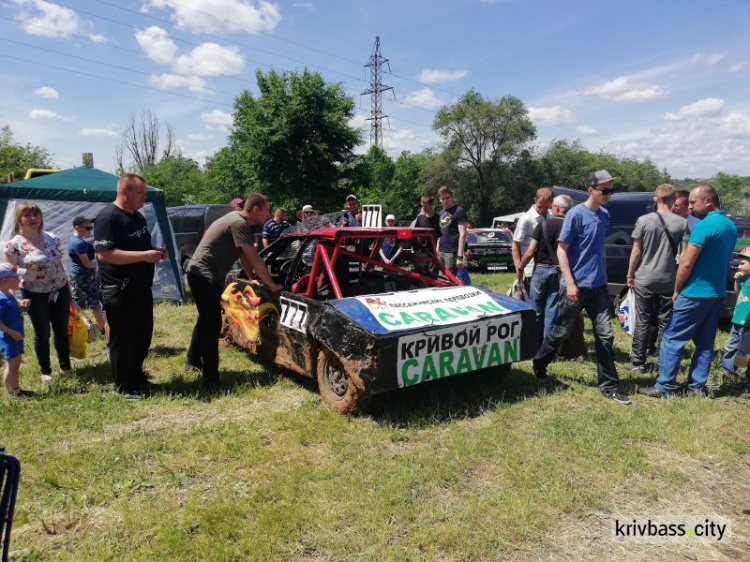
point(734, 192)
point(16, 158)
point(181, 179)
point(485, 136)
point(568, 163)
point(292, 142)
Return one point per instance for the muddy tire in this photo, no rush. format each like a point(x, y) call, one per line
point(336, 386)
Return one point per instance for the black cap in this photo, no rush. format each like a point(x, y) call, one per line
point(80, 219)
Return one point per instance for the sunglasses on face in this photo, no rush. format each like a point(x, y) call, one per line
point(608, 191)
point(86, 227)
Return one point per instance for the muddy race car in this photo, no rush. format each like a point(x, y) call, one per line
point(363, 326)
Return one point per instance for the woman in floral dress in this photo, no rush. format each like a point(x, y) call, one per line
point(44, 283)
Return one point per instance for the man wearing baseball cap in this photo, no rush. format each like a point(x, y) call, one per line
point(699, 290)
point(237, 204)
point(580, 252)
point(351, 216)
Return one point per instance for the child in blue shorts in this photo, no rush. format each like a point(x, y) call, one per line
point(741, 318)
point(11, 329)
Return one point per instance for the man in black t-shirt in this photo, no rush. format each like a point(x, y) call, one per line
point(453, 232)
point(545, 282)
point(428, 217)
point(122, 243)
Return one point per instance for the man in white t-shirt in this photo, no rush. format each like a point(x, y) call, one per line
point(522, 235)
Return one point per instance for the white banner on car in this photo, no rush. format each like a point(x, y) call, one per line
point(459, 349)
point(406, 310)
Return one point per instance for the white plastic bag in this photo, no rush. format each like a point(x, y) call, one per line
point(626, 313)
point(517, 291)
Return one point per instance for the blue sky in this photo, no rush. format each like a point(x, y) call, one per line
point(666, 79)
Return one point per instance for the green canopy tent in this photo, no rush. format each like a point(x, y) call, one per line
point(84, 191)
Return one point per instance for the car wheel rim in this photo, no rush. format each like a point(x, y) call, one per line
point(336, 380)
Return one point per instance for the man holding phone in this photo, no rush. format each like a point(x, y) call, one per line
point(122, 243)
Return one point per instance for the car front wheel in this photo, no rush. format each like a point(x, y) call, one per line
point(336, 387)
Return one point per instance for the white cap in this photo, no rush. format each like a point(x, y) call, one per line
point(390, 218)
point(307, 208)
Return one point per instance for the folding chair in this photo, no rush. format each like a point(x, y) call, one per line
point(10, 473)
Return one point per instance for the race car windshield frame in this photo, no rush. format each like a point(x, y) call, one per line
point(337, 252)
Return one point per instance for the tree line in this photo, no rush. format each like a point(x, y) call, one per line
point(294, 142)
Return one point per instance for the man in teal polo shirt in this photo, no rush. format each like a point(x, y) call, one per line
point(699, 290)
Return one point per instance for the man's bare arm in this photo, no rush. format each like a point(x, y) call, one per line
point(687, 261)
point(635, 258)
point(125, 257)
point(571, 288)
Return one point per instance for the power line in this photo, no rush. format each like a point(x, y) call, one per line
point(250, 29)
point(55, 67)
point(186, 82)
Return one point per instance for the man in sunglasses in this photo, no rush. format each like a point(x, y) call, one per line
point(83, 269)
point(583, 285)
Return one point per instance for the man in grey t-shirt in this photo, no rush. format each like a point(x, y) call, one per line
point(226, 240)
point(653, 268)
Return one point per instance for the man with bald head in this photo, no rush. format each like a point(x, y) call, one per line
point(699, 290)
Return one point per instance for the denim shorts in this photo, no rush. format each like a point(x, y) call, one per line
point(10, 348)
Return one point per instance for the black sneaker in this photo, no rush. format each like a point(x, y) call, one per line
point(617, 397)
point(635, 368)
point(20, 394)
point(539, 371)
point(653, 392)
point(699, 391)
point(188, 368)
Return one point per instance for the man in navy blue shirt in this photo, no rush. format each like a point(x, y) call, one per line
point(273, 228)
point(580, 252)
point(453, 231)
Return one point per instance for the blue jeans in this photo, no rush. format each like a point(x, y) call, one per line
point(544, 295)
point(596, 303)
point(692, 319)
point(732, 347)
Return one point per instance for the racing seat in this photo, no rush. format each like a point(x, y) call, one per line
point(10, 473)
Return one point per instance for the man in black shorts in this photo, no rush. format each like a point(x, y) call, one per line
point(122, 243)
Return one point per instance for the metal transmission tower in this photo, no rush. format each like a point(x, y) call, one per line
point(376, 90)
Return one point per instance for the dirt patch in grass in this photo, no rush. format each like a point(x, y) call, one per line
point(51, 532)
point(705, 490)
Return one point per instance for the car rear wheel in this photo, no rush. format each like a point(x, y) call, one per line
point(336, 387)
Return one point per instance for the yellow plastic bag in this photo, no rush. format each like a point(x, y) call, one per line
point(77, 333)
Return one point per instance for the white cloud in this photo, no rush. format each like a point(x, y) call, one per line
point(157, 44)
point(93, 132)
point(99, 39)
point(47, 93)
point(711, 59)
point(234, 15)
point(38, 17)
point(737, 124)
point(425, 98)
point(552, 115)
point(708, 107)
point(429, 76)
point(170, 81)
point(48, 114)
point(210, 59)
point(199, 137)
point(586, 130)
point(305, 5)
point(622, 90)
point(217, 120)
point(736, 67)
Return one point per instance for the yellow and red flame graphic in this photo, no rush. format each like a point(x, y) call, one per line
point(243, 307)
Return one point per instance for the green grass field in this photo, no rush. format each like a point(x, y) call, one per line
point(478, 467)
